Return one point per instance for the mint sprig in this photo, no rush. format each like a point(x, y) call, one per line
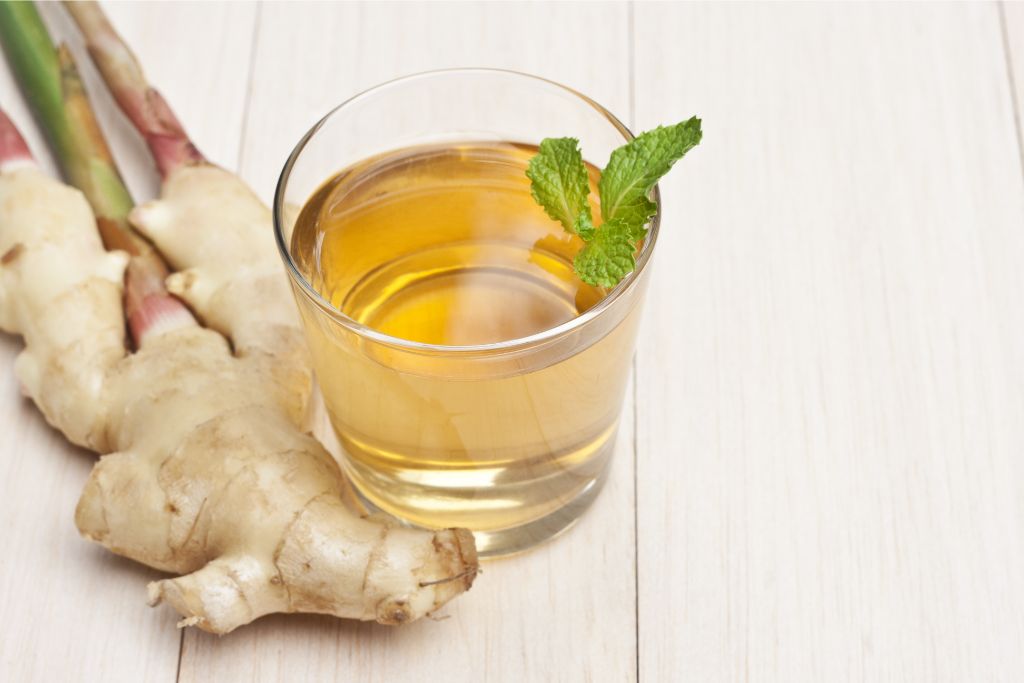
point(559, 183)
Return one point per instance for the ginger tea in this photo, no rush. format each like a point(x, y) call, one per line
point(444, 246)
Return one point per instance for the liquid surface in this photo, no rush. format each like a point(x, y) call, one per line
point(443, 245)
point(446, 246)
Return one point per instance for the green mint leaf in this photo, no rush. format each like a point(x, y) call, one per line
point(608, 256)
point(559, 182)
point(636, 167)
point(584, 226)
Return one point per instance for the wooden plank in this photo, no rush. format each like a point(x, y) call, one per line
point(567, 610)
point(831, 386)
point(74, 611)
point(1012, 17)
point(346, 49)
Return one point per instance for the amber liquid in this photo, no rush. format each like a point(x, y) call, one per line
point(445, 246)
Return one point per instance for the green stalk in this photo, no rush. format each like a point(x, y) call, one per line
point(32, 58)
point(53, 87)
point(90, 167)
point(65, 118)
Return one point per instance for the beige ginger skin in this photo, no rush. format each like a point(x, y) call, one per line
point(207, 472)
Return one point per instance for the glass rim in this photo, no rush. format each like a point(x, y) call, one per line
point(538, 338)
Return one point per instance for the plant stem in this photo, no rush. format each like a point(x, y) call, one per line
point(141, 103)
point(90, 167)
point(52, 85)
point(34, 63)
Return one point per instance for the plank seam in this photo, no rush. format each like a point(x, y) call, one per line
point(243, 135)
point(239, 158)
point(1014, 102)
point(181, 652)
point(631, 57)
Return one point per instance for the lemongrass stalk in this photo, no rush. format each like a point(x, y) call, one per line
point(89, 166)
point(33, 61)
point(52, 85)
point(141, 103)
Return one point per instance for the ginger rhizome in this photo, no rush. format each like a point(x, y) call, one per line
point(207, 470)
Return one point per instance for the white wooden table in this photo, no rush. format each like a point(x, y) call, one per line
point(821, 476)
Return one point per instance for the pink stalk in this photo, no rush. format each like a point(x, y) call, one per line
point(14, 152)
point(141, 103)
point(152, 312)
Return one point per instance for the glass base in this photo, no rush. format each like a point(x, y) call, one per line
point(514, 540)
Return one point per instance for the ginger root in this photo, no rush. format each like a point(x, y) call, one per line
point(207, 471)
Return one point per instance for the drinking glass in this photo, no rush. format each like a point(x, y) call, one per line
point(511, 439)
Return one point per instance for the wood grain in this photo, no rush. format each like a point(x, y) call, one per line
point(565, 611)
point(830, 391)
point(73, 611)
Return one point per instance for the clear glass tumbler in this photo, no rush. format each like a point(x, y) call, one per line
point(511, 439)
